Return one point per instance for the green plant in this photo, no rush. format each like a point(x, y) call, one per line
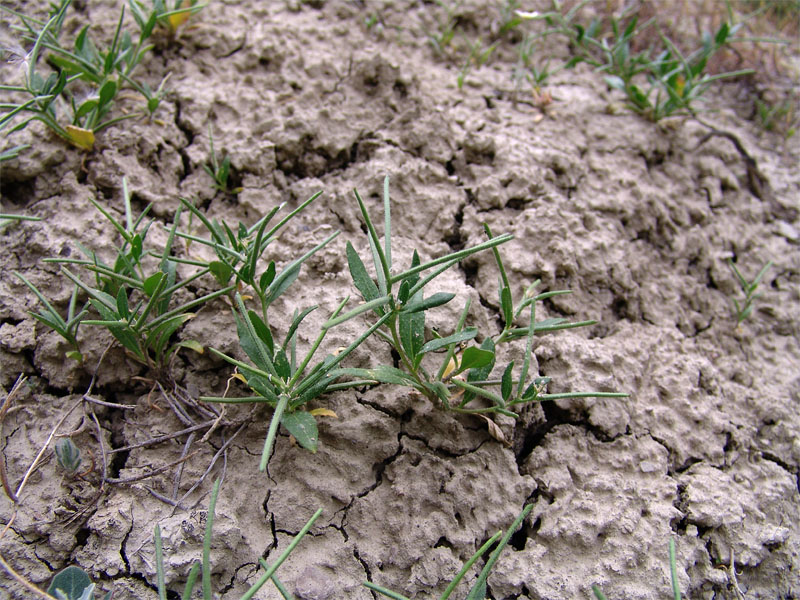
point(68, 455)
point(781, 116)
point(678, 81)
point(743, 310)
point(66, 328)
point(452, 371)
point(478, 589)
point(442, 38)
point(132, 297)
point(478, 56)
point(219, 171)
point(204, 567)
point(73, 584)
point(75, 99)
point(6, 220)
point(276, 375)
point(238, 254)
point(673, 570)
point(11, 154)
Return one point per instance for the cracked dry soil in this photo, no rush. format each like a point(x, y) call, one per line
point(635, 218)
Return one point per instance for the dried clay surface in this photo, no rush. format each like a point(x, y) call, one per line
point(636, 218)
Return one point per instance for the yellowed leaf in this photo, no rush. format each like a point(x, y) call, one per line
point(495, 431)
point(80, 137)
point(323, 412)
point(451, 366)
point(180, 18)
point(240, 377)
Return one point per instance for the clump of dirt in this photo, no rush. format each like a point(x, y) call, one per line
point(635, 218)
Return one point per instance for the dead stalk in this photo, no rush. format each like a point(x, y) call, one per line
point(3, 410)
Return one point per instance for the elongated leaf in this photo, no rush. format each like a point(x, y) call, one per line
point(151, 283)
point(424, 304)
point(262, 387)
point(262, 331)
point(267, 277)
point(160, 335)
point(507, 306)
point(361, 279)
point(282, 365)
point(381, 374)
point(252, 344)
point(462, 336)
point(316, 390)
point(119, 330)
point(303, 426)
point(506, 382)
point(412, 331)
point(122, 303)
point(296, 323)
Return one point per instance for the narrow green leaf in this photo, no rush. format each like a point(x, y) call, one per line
point(361, 279)
point(462, 336)
point(375, 305)
point(298, 318)
point(381, 374)
point(507, 306)
point(262, 330)
point(402, 293)
point(122, 303)
point(267, 276)
point(107, 92)
point(303, 427)
point(506, 382)
point(283, 400)
point(411, 327)
point(433, 301)
point(262, 386)
point(251, 342)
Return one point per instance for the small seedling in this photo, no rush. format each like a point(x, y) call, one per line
point(442, 38)
point(219, 171)
point(478, 589)
point(478, 56)
point(66, 328)
point(673, 571)
point(452, 371)
point(743, 310)
point(68, 455)
point(73, 584)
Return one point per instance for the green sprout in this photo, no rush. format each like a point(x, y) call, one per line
point(743, 310)
point(219, 171)
point(68, 455)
